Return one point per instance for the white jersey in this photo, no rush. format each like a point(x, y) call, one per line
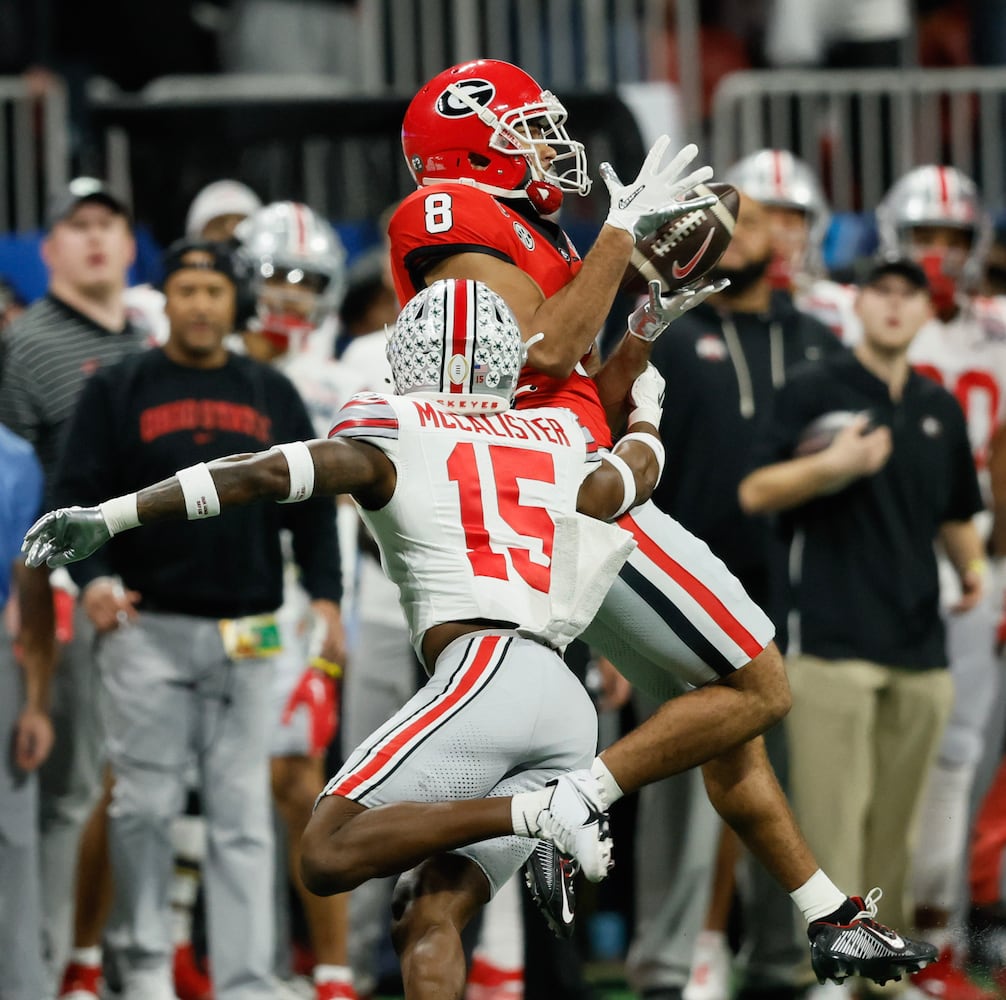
point(367, 354)
point(377, 597)
point(483, 521)
point(834, 305)
point(325, 385)
point(967, 356)
point(145, 310)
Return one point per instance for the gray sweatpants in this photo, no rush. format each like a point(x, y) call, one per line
point(69, 787)
point(170, 697)
point(21, 976)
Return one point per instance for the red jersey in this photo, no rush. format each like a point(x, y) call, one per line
point(437, 222)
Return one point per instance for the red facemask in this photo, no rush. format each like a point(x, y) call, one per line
point(780, 273)
point(942, 282)
point(285, 331)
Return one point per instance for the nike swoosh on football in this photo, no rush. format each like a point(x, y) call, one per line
point(683, 272)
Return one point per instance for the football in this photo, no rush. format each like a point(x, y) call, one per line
point(684, 249)
point(820, 432)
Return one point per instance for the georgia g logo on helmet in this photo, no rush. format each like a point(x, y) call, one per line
point(450, 105)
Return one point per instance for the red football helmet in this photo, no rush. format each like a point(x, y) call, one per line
point(485, 123)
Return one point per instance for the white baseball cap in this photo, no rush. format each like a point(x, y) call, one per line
point(220, 198)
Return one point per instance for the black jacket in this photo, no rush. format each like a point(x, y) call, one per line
point(722, 373)
point(141, 420)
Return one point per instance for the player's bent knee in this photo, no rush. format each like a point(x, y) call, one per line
point(320, 868)
point(327, 866)
point(764, 679)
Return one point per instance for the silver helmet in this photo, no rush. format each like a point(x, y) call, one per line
point(287, 239)
point(458, 343)
point(777, 178)
point(931, 196)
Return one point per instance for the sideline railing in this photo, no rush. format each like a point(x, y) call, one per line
point(861, 130)
point(34, 151)
point(291, 138)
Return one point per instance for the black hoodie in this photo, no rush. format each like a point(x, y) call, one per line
point(722, 371)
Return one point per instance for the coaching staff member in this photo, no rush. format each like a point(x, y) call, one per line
point(185, 638)
point(867, 659)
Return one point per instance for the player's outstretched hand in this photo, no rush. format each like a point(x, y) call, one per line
point(656, 314)
point(65, 536)
point(656, 189)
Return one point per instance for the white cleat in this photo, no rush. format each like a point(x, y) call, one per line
point(575, 821)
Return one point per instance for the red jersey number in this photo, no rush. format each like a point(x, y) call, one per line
point(978, 394)
point(509, 465)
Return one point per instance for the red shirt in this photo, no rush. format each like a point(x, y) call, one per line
point(437, 222)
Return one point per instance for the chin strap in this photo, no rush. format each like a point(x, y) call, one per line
point(546, 198)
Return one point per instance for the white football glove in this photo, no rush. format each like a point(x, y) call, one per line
point(656, 189)
point(657, 313)
point(647, 397)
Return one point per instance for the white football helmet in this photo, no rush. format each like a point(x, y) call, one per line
point(457, 343)
point(777, 178)
point(936, 196)
point(298, 267)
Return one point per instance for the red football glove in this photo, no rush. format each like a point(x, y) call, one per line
point(318, 692)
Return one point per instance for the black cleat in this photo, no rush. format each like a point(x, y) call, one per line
point(549, 875)
point(865, 947)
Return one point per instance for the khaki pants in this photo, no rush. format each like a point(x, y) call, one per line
point(862, 739)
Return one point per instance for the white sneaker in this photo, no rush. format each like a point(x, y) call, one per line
point(148, 984)
point(575, 821)
point(712, 960)
point(297, 988)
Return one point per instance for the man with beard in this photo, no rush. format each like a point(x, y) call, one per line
point(722, 362)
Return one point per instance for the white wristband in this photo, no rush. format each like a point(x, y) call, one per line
point(120, 513)
point(653, 443)
point(301, 466)
point(645, 414)
point(200, 492)
point(628, 482)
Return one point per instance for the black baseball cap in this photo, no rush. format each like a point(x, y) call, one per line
point(79, 190)
point(220, 257)
point(903, 267)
